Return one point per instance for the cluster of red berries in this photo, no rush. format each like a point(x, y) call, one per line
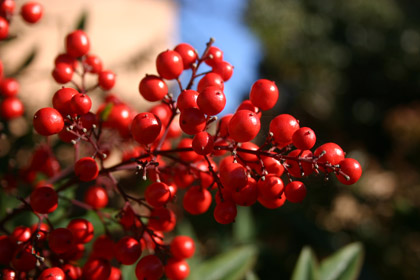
point(217, 159)
point(31, 12)
point(10, 105)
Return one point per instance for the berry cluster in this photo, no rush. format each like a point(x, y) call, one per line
point(215, 160)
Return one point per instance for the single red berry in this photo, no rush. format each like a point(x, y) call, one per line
point(82, 230)
point(328, 153)
point(352, 169)
point(96, 269)
point(31, 12)
point(48, 121)
point(72, 272)
point(117, 116)
point(62, 100)
point(162, 219)
point(188, 54)
point(248, 156)
point(115, 274)
point(163, 112)
point(8, 7)
point(272, 203)
point(86, 169)
point(293, 167)
point(4, 28)
point(244, 126)
point(44, 200)
point(211, 101)
point(9, 87)
point(304, 138)
point(283, 126)
point(62, 73)
point(60, 240)
point(21, 234)
point(8, 274)
point(214, 55)
point(106, 79)
point(96, 197)
point(23, 259)
point(157, 194)
point(182, 247)
point(197, 200)
point(52, 273)
point(232, 175)
point(247, 105)
point(11, 107)
point(224, 69)
point(41, 231)
point(77, 43)
point(225, 212)
point(92, 63)
point(149, 268)
point(271, 187)
point(203, 143)
point(187, 99)
point(127, 250)
point(247, 195)
point(103, 247)
point(153, 88)
point(177, 269)
point(169, 64)
point(67, 59)
point(264, 94)
point(210, 79)
point(145, 128)
point(295, 191)
point(80, 104)
point(192, 121)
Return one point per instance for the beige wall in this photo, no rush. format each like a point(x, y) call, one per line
point(126, 34)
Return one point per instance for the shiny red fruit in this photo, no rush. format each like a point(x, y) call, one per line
point(31, 12)
point(48, 121)
point(77, 43)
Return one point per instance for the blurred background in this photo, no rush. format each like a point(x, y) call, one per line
point(350, 70)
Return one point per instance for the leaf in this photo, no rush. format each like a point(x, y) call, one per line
point(107, 110)
point(244, 227)
point(26, 62)
point(128, 272)
point(234, 264)
point(307, 266)
point(81, 23)
point(344, 264)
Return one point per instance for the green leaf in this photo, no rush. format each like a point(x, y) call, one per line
point(81, 23)
point(128, 272)
point(344, 264)
point(307, 266)
point(107, 110)
point(26, 62)
point(244, 226)
point(234, 264)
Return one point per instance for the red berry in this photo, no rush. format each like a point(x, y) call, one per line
point(149, 268)
point(153, 88)
point(293, 167)
point(211, 101)
point(92, 63)
point(86, 169)
point(62, 100)
point(203, 143)
point(96, 197)
point(331, 153)
point(224, 69)
point(162, 219)
point(210, 79)
point(10, 108)
point(77, 43)
point(192, 121)
point(295, 191)
point(214, 55)
point(182, 247)
point(67, 59)
point(82, 230)
point(23, 259)
point(247, 105)
point(48, 121)
point(283, 126)
point(60, 240)
point(72, 272)
point(304, 138)
point(119, 117)
point(145, 128)
point(272, 203)
point(177, 269)
point(247, 195)
point(62, 73)
point(21, 234)
point(157, 194)
point(103, 247)
point(31, 12)
point(197, 200)
point(264, 94)
point(225, 212)
point(169, 64)
point(189, 156)
point(163, 112)
point(96, 269)
point(4, 28)
point(127, 250)
point(187, 99)
point(8, 274)
point(8, 7)
point(80, 104)
point(188, 54)
point(115, 274)
point(223, 125)
point(351, 168)
point(9, 87)
point(232, 175)
point(106, 79)
point(271, 187)
point(53, 273)
point(244, 126)
point(248, 156)
point(44, 200)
